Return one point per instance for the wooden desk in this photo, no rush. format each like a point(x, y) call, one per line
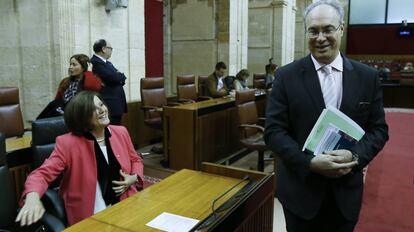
point(201, 131)
point(19, 159)
point(190, 193)
point(20, 143)
point(205, 131)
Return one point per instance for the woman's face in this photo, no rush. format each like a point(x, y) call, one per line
point(100, 117)
point(75, 69)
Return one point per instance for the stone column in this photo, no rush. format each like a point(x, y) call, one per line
point(238, 34)
point(284, 27)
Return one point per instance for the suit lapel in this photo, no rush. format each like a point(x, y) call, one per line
point(350, 83)
point(312, 84)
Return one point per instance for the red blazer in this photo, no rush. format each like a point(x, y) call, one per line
point(74, 156)
point(90, 82)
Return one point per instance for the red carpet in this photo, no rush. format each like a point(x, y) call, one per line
point(388, 203)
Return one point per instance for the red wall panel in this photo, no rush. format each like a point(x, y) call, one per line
point(154, 44)
point(381, 39)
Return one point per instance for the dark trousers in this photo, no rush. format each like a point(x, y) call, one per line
point(328, 219)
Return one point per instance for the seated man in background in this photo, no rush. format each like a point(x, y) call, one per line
point(215, 84)
point(408, 67)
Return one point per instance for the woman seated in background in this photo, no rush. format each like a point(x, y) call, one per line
point(99, 164)
point(240, 82)
point(80, 78)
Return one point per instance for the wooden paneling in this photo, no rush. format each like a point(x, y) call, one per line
point(141, 134)
point(201, 131)
point(360, 40)
point(400, 96)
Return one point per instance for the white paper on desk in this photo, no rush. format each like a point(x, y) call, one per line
point(172, 223)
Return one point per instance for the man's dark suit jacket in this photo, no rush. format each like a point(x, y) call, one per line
point(294, 105)
point(112, 91)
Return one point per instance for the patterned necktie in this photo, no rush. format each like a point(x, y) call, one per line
point(329, 90)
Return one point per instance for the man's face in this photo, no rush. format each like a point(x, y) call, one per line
point(220, 72)
point(107, 51)
point(325, 46)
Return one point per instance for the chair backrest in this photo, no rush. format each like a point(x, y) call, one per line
point(10, 114)
point(202, 88)
point(7, 192)
point(44, 133)
point(246, 110)
point(153, 92)
point(186, 88)
point(259, 80)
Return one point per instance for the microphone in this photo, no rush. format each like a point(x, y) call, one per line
point(230, 202)
point(246, 177)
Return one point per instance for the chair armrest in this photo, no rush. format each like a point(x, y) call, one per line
point(54, 205)
point(252, 126)
point(204, 98)
point(52, 223)
point(146, 108)
point(173, 104)
point(183, 100)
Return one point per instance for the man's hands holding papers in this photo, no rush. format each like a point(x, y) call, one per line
point(333, 164)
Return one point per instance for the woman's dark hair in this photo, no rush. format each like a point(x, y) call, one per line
point(79, 111)
point(242, 73)
point(99, 45)
point(82, 59)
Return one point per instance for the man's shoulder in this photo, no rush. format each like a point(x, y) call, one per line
point(211, 77)
point(95, 59)
point(294, 66)
point(361, 66)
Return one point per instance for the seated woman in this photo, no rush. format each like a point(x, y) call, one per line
point(80, 78)
point(240, 82)
point(270, 74)
point(99, 164)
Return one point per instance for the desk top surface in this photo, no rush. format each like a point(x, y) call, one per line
point(14, 144)
point(205, 104)
point(213, 102)
point(187, 193)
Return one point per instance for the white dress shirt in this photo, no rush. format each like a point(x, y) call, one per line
point(337, 70)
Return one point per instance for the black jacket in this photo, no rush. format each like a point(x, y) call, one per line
point(112, 91)
point(293, 107)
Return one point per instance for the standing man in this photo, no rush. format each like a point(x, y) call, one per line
point(323, 192)
point(112, 92)
point(215, 82)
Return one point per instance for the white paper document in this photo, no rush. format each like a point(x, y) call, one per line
point(172, 223)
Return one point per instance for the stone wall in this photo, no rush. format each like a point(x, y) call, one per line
point(271, 33)
point(38, 38)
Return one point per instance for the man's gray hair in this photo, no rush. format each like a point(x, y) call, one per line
point(333, 3)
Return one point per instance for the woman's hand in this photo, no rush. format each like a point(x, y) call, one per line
point(122, 186)
point(31, 211)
